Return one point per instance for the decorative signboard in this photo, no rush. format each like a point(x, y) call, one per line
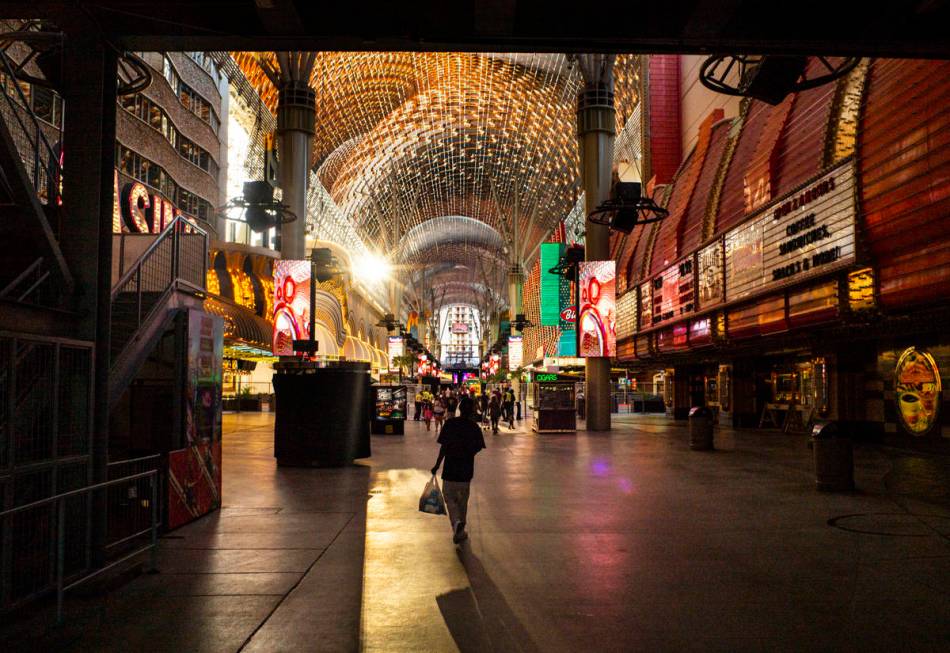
point(627, 315)
point(291, 305)
point(550, 284)
point(917, 391)
point(395, 347)
point(515, 352)
point(459, 327)
point(802, 235)
point(646, 304)
point(673, 293)
point(709, 273)
point(596, 321)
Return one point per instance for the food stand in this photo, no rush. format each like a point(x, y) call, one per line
point(554, 410)
point(389, 409)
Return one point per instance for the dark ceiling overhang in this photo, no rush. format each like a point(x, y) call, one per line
point(915, 28)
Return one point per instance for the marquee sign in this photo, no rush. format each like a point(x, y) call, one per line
point(673, 293)
point(135, 210)
point(802, 235)
point(709, 273)
point(627, 315)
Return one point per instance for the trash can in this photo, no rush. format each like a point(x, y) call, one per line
point(700, 429)
point(834, 458)
point(581, 408)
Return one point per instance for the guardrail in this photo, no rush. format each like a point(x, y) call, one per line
point(177, 259)
point(59, 503)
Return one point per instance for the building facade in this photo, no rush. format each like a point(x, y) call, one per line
point(802, 272)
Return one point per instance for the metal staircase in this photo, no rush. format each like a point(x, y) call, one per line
point(167, 278)
point(32, 268)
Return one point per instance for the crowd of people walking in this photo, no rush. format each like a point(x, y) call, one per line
point(488, 408)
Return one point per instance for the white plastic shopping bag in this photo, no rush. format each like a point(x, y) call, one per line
point(431, 500)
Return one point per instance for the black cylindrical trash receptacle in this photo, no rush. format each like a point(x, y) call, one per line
point(322, 413)
point(700, 429)
point(834, 458)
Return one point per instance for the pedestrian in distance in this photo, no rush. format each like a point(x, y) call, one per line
point(494, 412)
point(509, 407)
point(483, 405)
point(452, 404)
point(438, 412)
point(427, 414)
point(460, 441)
point(418, 407)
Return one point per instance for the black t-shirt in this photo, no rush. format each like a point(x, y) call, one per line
point(461, 439)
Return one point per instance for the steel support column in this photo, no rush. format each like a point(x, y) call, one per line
point(295, 129)
point(596, 128)
point(89, 92)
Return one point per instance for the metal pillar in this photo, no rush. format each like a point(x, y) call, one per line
point(296, 118)
point(596, 128)
point(90, 74)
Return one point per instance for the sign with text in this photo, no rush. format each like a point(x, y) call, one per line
point(646, 305)
point(515, 352)
point(459, 327)
point(805, 234)
point(596, 320)
point(397, 347)
point(673, 293)
point(710, 279)
point(627, 315)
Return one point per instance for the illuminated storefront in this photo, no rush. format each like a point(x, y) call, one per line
point(798, 277)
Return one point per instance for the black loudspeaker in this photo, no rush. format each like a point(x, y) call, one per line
point(773, 78)
point(258, 192)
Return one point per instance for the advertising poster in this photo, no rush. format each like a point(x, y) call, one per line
point(291, 305)
point(194, 482)
point(917, 391)
point(596, 321)
point(204, 380)
point(396, 348)
point(515, 352)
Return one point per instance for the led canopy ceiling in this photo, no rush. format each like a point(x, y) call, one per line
point(425, 144)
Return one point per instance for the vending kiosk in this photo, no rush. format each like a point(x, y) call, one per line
point(389, 410)
point(554, 410)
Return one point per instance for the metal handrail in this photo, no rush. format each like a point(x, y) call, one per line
point(58, 501)
point(39, 137)
point(162, 281)
point(171, 228)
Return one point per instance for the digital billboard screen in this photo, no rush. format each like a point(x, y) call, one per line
point(291, 305)
point(597, 318)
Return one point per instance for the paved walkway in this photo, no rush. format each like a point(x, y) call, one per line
point(625, 541)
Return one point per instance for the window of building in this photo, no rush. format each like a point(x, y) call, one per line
point(152, 114)
point(189, 98)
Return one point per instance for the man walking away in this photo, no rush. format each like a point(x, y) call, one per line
point(494, 411)
point(461, 439)
point(509, 405)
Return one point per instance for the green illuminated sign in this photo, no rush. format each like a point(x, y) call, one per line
point(545, 377)
point(550, 284)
